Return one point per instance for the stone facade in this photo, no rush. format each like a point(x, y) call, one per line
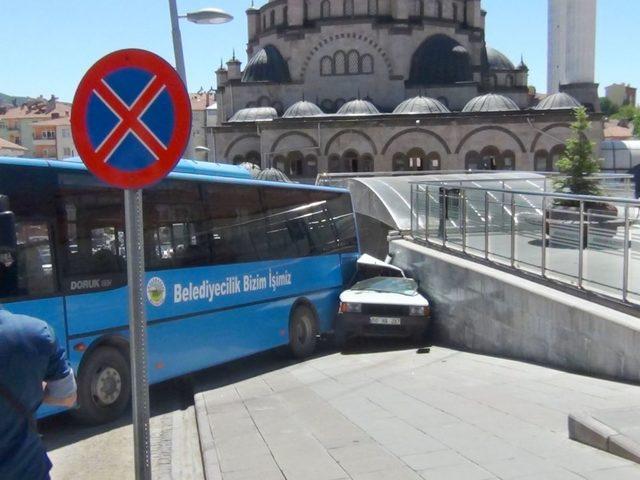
point(331, 52)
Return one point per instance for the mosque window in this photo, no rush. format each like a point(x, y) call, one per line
point(325, 9)
point(366, 64)
point(339, 63)
point(510, 81)
point(264, 22)
point(326, 66)
point(419, 8)
point(353, 64)
point(272, 17)
point(285, 15)
point(455, 12)
point(348, 8)
point(264, 102)
point(373, 7)
point(339, 103)
point(439, 12)
point(306, 10)
point(327, 106)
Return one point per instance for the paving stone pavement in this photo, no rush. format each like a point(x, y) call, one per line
point(396, 415)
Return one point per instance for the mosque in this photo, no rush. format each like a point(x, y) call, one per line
point(390, 85)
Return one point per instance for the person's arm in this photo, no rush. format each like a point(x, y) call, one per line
point(60, 389)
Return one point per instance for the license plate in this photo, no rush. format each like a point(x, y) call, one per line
point(385, 321)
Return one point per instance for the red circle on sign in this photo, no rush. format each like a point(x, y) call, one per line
point(167, 158)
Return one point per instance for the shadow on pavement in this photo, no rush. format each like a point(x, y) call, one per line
point(362, 345)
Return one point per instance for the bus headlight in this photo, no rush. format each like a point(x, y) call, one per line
point(419, 311)
point(346, 307)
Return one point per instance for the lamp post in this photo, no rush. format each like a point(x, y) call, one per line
point(205, 16)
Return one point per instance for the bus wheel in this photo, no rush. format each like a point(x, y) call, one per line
point(104, 386)
point(303, 332)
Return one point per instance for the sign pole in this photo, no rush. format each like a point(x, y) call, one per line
point(138, 332)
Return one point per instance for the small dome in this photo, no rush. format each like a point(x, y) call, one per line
point(254, 114)
point(421, 104)
point(358, 107)
point(303, 109)
point(498, 60)
point(490, 103)
point(558, 101)
point(272, 175)
point(267, 65)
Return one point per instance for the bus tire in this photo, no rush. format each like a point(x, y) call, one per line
point(303, 332)
point(104, 387)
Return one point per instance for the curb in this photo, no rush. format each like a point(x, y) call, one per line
point(208, 451)
point(592, 432)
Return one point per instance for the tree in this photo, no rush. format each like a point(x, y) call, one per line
point(636, 124)
point(626, 112)
point(608, 107)
point(578, 162)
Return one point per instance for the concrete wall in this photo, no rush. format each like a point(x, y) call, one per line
point(479, 308)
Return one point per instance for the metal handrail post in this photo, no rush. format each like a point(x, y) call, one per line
point(627, 242)
point(428, 213)
point(413, 210)
point(486, 225)
point(513, 230)
point(543, 260)
point(582, 245)
point(443, 215)
point(463, 222)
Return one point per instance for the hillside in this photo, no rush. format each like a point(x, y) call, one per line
point(8, 99)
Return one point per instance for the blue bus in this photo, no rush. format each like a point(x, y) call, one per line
point(234, 266)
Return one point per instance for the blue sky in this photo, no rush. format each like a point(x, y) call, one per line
point(48, 45)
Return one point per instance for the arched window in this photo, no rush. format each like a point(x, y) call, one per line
point(419, 8)
point(264, 22)
point(305, 13)
point(472, 161)
point(334, 164)
point(272, 17)
point(348, 8)
point(455, 12)
point(541, 161)
point(507, 160)
point(373, 7)
point(366, 163)
point(253, 157)
point(326, 66)
point(285, 15)
point(311, 166)
point(238, 159)
point(280, 163)
point(434, 162)
point(556, 154)
point(350, 161)
point(489, 158)
point(278, 107)
point(417, 159)
point(339, 63)
point(444, 101)
point(295, 161)
point(339, 103)
point(510, 81)
point(439, 12)
point(366, 64)
point(400, 163)
point(325, 9)
point(353, 62)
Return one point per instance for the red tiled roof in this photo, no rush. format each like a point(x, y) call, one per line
point(11, 146)
point(613, 131)
point(17, 113)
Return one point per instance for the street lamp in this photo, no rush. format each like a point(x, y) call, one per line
point(205, 16)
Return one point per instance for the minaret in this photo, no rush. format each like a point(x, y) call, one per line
point(572, 45)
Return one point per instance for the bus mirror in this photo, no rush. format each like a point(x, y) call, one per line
point(7, 226)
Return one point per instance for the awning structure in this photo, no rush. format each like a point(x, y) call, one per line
point(387, 199)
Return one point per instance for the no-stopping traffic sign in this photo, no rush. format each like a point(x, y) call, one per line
point(131, 118)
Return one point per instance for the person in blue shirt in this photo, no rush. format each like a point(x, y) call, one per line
point(33, 370)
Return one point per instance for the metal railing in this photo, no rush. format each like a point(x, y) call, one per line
point(591, 243)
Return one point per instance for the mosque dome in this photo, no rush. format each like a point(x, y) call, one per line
point(254, 114)
point(440, 60)
point(303, 109)
point(267, 65)
point(497, 60)
point(358, 107)
point(421, 104)
point(490, 103)
point(558, 101)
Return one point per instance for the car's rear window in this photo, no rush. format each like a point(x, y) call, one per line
point(402, 286)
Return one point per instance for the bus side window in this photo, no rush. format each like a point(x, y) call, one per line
point(175, 228)
point(28, 271)
point(235, 220)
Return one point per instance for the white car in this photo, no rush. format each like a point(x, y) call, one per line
point(383, 302)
